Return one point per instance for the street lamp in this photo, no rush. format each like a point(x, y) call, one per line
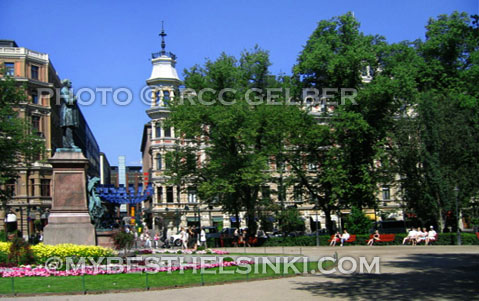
point(316, 224)
point(456, 192)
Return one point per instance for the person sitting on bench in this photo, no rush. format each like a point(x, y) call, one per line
point(344, 237)
point(431, 235)
point(421, 236)
point(375, 237)
point(411, 236)
point(336, 238)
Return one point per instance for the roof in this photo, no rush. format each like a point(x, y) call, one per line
point(164, 69)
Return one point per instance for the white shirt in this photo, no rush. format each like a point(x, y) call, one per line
point(345, 236)
point(203, 235)
point(432, 234)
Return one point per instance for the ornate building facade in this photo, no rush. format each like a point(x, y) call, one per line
point(31, 200)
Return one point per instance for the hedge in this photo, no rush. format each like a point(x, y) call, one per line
point(443, 239)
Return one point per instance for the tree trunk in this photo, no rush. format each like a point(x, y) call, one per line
point(440, 221)
point(329, 222)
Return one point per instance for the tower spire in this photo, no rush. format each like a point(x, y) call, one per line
point(163, 35)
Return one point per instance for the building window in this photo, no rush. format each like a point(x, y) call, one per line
point(10, 69)
point(34, 72)
point(36, 125)
point(45, 187)
point(166, 98)
point(312, 166)
point(10, 188)
point(32, 187)
point(265, 193)
point(167, 132)
point(159, 194)
point(298, 194)
point(35, 98)
point(159, 165)
point(158, 131)
point(192, 195)
point(169, 194)
point(386, 193)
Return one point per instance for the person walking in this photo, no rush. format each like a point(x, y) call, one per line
point(156, 239)
point(184, 238)
point(203, 238)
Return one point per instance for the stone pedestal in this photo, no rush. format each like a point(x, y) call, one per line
point(69, 220)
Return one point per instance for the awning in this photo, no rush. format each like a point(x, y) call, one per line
point(11, 218)
point(233, 219)
point(217, 218)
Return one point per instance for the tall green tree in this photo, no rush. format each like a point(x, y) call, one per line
point(437, 134)
point(18, 145)
point(236, 128)
point(348, 145)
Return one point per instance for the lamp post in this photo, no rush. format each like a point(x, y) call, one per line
point(316, 223)
point(456, 192)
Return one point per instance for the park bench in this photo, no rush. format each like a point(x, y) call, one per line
point(477, 235)
point(351, 238)
point(384, 237)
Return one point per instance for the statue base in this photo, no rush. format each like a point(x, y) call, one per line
point(69, 220)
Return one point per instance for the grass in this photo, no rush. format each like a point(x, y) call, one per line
point(104, 283)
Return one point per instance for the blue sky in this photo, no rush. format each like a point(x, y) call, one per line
point(108, 43)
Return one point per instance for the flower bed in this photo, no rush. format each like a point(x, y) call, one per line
point(43, 252)
point(29, 271)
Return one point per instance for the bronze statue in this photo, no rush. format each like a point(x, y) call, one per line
point(95, 207)
point(68, 114)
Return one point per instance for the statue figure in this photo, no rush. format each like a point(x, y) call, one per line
point(68, 114)
point(95, 206)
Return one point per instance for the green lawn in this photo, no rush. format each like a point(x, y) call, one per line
point(39, 285)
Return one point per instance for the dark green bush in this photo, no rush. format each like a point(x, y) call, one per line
point(123, 240)
point(20, 252)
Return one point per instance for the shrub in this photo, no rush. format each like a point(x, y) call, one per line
point(228, 259)
point(357, 222)
point(43, 252)
point(19, 252)
point(123, 240)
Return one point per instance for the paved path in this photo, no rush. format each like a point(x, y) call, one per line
point(406, 273)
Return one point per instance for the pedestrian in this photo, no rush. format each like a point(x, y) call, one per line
point(147, 241)
point(203, 238)
point(184, 238)
point(156, 239)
